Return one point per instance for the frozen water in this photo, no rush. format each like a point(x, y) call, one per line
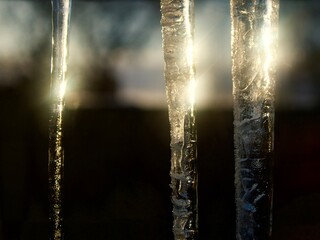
point(177, 32)
point(254, 40)
point(61, 10)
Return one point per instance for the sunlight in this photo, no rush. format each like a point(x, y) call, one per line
point(62, 89)
point(192, 92)
point(267, 45)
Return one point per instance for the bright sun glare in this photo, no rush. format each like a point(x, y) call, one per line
point(267, 43)
point(62, 89)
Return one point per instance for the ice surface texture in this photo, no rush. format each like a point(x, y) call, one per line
point(177, 32)
point(254, 40)
point(61, 10)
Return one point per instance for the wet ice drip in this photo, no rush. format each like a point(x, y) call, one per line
point(177, 33)
point(61, 10)
point(254, 40)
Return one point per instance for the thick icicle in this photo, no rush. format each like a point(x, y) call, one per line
point(177, 33)
point(61, 10)
point(254, 44)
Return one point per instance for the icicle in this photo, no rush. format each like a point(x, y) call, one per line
point(61, 10)
point(177, 32)
point(254, 44)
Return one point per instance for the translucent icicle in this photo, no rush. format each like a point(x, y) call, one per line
point(177, 33)
point(254, 44)
point(61, 10)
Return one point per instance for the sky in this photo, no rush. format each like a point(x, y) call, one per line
point(124, 38)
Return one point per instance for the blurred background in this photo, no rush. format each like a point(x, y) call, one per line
point(116, 129)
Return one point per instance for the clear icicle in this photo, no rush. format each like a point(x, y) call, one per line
point(254, 45)
point(61, 11)
point(177, 33)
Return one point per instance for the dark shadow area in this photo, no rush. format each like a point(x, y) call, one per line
point(117, 164)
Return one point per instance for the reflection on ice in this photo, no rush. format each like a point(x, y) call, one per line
point(177, 32)
point(254, 45)
point(61, 10)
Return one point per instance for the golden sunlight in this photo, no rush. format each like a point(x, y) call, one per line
point(267, 44)
point(192, 92)
point(62, 89)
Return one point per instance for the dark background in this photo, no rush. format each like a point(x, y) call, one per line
point(117, 156)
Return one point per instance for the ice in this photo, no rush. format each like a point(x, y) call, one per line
point(177, 32)
point(254, 44)
point(61, 10)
